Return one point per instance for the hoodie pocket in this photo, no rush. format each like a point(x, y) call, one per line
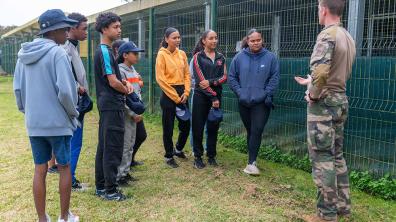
point(252, 95)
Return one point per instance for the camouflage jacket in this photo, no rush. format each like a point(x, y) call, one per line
point(331, 61)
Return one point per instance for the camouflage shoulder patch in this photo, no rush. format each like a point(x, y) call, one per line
point(330, 33)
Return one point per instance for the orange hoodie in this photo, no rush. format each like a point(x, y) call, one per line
point(172, 69)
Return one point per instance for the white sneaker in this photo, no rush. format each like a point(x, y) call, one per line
point(252, 169)
point(70, 218)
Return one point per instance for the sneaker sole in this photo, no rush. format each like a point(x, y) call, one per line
point(250, 173)
point(172, 166)
point(198, 167)
point(117, 200)
point(182, 158)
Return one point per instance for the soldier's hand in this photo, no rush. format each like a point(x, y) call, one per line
point(302, 81)
point(306, 97)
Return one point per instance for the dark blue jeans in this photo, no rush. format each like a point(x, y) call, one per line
point(75, 149)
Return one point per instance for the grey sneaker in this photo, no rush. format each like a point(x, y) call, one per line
point(252, 169)
point(70, 218)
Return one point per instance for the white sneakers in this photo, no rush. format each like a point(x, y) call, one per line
point(252, 169)
point(70, 218)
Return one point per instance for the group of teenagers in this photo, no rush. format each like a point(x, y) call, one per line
point(51, 89)
point(203, 77)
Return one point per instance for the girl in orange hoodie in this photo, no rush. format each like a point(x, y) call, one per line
point(173, 76)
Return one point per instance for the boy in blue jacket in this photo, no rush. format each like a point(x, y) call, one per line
point(46, 93)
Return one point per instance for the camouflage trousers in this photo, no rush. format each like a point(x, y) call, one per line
point(325, 129)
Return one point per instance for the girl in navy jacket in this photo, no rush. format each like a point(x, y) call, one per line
point(254, 78)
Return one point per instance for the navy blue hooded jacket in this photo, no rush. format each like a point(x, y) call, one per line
point(254, 76)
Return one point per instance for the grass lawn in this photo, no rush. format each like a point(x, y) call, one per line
point(224, 193)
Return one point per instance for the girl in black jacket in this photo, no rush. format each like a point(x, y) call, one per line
point(209, 74)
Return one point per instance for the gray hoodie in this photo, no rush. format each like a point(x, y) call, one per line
point(45, 89)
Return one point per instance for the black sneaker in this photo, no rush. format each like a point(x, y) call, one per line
point(123, 181)
point(53, 169)
point(77, 186)
point(198, 163)
point(128, 177)
point(136, 163)
point(100, 193)
point(172, 163)
point(212, 162)
point(180, 154)
point(116, 196)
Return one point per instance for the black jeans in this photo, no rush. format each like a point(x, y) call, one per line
point(254, 119)
point(201, 107)
point(168, 119)
point(141, 136)
point(110, 148)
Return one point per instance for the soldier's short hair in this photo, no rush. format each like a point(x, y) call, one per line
point(336, 7)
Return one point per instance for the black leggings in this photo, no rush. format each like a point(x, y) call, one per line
point(254, 119)
point(201, 106)
point(141, 136)
point(168, 119)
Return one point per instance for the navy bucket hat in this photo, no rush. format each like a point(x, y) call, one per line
point(215, 115)
point(134, 103)
point(182, 112)
point(54, 19)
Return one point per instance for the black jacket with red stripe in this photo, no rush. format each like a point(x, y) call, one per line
point(204, 68)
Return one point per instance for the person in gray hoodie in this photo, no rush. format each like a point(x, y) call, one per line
point(76, 34)
point(46, 93)
point(128, 55)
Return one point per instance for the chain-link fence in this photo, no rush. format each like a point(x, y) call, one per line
point(9, 48)
point(289, 28)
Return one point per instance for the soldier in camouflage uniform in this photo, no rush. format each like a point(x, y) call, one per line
point(331, 65)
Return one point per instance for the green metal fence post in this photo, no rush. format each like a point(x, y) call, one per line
point(151, 60)
point(213, 15)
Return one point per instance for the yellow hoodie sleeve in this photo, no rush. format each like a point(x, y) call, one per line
point(161, 79)
point(187, 76)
